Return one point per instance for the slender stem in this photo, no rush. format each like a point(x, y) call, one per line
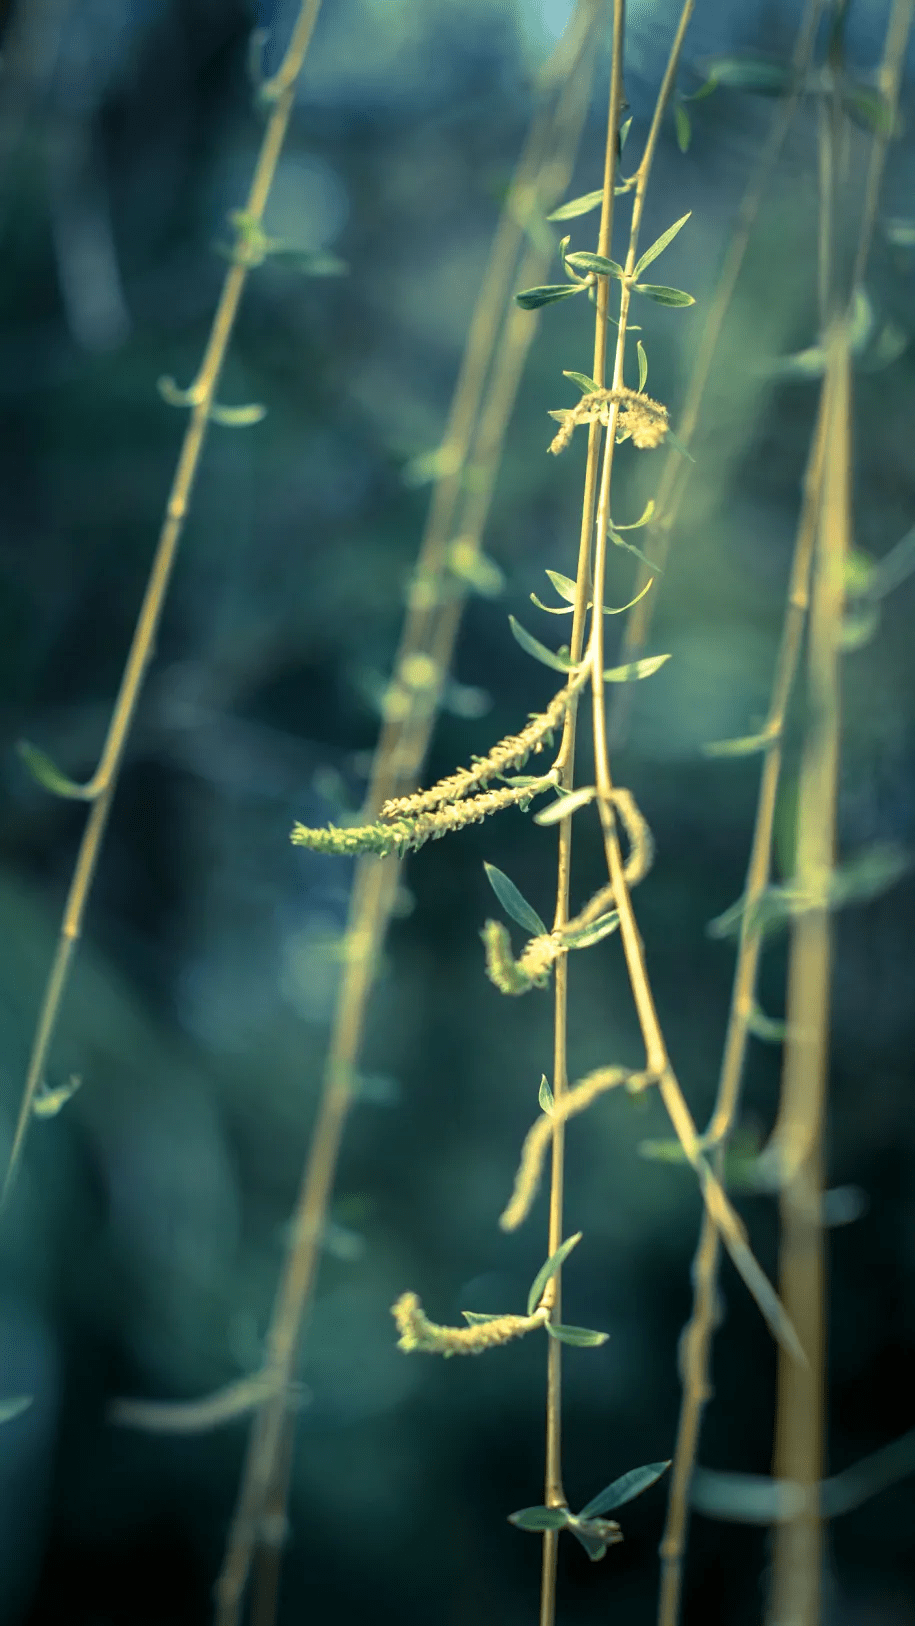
point(675, 473)
point(697, 1340)
point(100, 789)
point(799, 1449)
point(554, 1494)
point(430, 626)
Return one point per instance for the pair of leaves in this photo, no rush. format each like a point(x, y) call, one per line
point(599, 265)
point(862, 878)
point(590, 1527)
point(565, 587)
point(632, 672)
point(581, 1337)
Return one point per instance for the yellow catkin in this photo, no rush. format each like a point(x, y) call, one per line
point(540, 1135)
point(420, 1335)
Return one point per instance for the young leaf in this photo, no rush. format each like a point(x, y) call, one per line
point(540, 1518)
point(870, 108)
point(620, 542)
point(47, 1103)
point(660, 244)
point(566, 805)
point(564, 585)
point(176, 397)
point(581, 1337)
point(662, 1151)
point(595, 933)
point(44, 771)
point(684, 127)
point(309, 262)
point(624, 1489)
point(595, 1538)
point(533, 646)
point(680, 446)
point(545, 1096)
point(647, 513)
point(238, 417)
point(643, 378)
point(585, 384)
point(766, 1027)
point(663, 296)
point(473, 1318)
point(596, 263)
point(549, 1270)
point(634, 671)
point(578, 206)
point(513, 902)
point(532, 298)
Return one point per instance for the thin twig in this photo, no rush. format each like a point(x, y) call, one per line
point(676, 471)
point(101, 787)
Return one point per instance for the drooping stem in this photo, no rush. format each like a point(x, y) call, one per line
point(280, 93)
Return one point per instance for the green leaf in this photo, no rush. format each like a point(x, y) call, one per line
point(473, 567)
point(533, 646)
point(756, 74)
point(564, 585)
point(634, 671)
point(595, 933)
point(585, 384)
point(566, 805)
point(578, 206)
point(870, 108)
point(620, 542)
point(48, 1103)
point(659, 245)
point(624, 1489)
point(176, 397)
point(766, 1027)
point(595, 1545)
point(15, 1407)
point(239, 417)
point(663, 296)
point(868, 874)
point(540, 1518)
point(514, 902)
point(643, 380)
point(549, 1270)
point(901, 232)
point(596, 263)
point(625, 127)
point(647, 513)
point(684, 127)
point(581, 1337)
point(747, 746)
point(532, 298)
point(474, 1319)
point(680, 446)
point(545, 1096)
point(44, 771)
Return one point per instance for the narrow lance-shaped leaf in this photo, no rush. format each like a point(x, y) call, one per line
point(514, 902)
point(578, 206)
point(532, 298)
point(663, 296)
point(585, 384)
point(540, 1518)
point(47, 774)
point(545, 1096)
point(634, 671)
point(595, 933)
point(597, 263)
point(624, 1489)
point(660, 244)
point(14, 1407)
point(643, 373)
point(580, 1337)
point(533, 646)
point(549, 1270)
point(566, 806)
point(620, 542)
point(684, 127)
